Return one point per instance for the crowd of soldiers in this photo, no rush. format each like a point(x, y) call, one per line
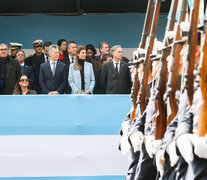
point(165, 131)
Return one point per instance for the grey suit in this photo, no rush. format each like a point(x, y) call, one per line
point(114, 84)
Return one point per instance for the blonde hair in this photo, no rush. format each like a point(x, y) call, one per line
point(77, 66)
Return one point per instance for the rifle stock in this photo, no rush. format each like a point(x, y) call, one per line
point(161, 82)
point(145, 33)
point(147, 61)
point(192, 42)
point(173, 74)
point(202, 121)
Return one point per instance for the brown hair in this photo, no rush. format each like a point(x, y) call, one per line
point(77, 66)
point(18, 89)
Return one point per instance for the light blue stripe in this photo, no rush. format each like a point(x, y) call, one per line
point(63, 114)
point(68, 178)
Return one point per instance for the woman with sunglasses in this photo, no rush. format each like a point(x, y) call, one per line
point(22, 87)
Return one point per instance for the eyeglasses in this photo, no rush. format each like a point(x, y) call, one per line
point(22, 80)
point(4, 49)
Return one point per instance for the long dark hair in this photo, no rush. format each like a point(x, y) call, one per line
point(18, 89)
point(91, 47)
point(59, 43)
point(77, 66)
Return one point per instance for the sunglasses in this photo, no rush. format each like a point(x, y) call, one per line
point(22, 80)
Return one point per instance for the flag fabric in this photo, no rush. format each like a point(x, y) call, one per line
point(64, 137)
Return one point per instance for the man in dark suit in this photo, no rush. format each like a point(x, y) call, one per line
point(115, 75)
point(25, 69)
point(70, 59)
point(52, 77)
point(10, 71)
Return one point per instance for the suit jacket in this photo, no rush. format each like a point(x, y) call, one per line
point(13, 74)
point(74, 78)
point(28, 71)
point(66, 61)
point(35, 61)
point(48, 82)
point(113, 84)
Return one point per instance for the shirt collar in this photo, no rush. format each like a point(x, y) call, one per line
point(22, 64)
point(53, 61)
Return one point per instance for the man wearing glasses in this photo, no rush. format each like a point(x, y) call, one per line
point(10, 71)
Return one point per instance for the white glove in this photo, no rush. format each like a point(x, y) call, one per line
point(185, 146)
point(149, 144)
point(171, 150)
point(155, 146)
point(160, 161)
point(136, 140)
point(125, 146)
point(200, 146)
point(125, 127)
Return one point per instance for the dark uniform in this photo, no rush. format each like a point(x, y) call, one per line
point(35, 61)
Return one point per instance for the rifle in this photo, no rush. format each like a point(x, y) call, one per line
point(145, 33)
point(161, 82)
point(202, 118)
point(173, 72)
point(192, 42)
point(146, 70)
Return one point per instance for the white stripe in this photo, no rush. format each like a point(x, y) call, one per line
point(61, 155)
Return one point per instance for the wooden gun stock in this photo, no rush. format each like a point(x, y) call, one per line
point(173, 74)
point(202, 121)
point(145, 33)
point(192, 42)
point(147, 61)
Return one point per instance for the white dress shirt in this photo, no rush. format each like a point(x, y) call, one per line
point(70, 58)
point(114, 62)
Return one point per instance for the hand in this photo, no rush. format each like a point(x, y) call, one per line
point(185, 146)
point(125, 146)
point(137, 140)
point(86, 92)
point(155, 146)
point(200, 146)
point(148, 144)
point(55, 93)
point(171, 150)
point(160, 161)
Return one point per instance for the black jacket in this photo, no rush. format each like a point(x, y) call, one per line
point(48, 82)
point(113, 84)
point(35, 61)
point(13, 74)
point(28, 71)
point(66, 61)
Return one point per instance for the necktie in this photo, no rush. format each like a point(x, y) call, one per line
point(72, 59)
point(53, 69)
point(116, 69)
point(47, 58)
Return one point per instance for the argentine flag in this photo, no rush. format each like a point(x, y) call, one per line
point(63, 137)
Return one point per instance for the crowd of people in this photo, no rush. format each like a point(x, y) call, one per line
point(64, 68)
